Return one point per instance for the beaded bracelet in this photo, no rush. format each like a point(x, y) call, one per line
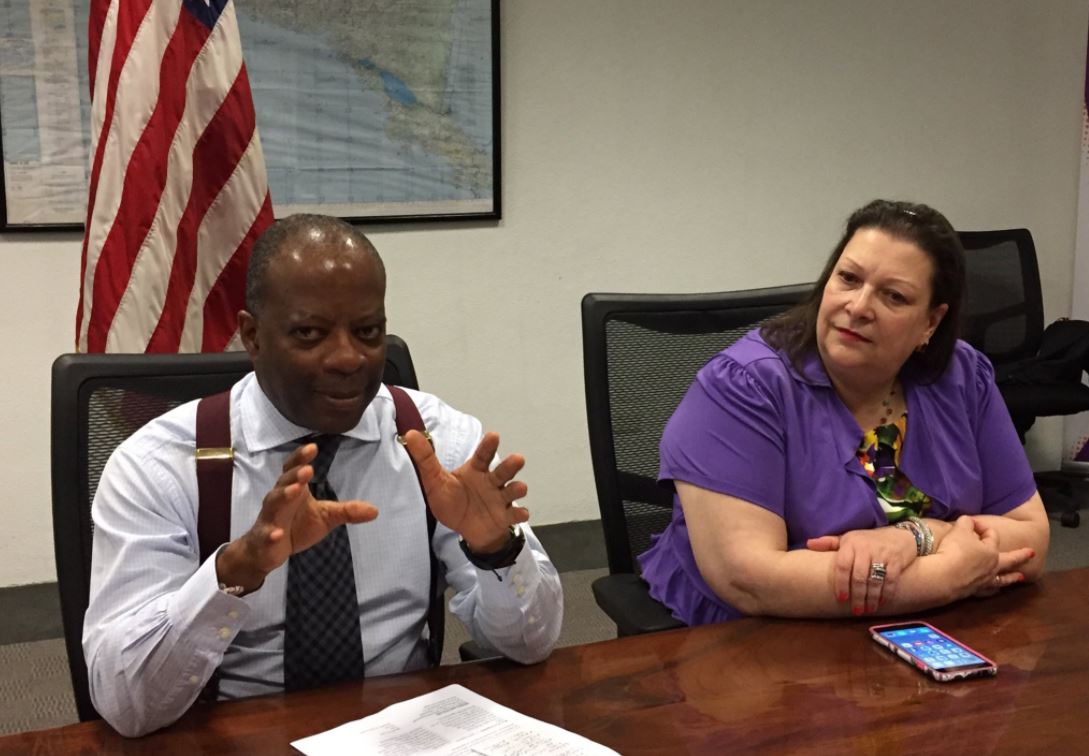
point(928, 537)
point(920, 539)
point(924, 536)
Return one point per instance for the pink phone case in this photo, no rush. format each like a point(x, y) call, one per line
point(941, 675)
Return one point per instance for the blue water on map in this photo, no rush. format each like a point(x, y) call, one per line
point(397, 89)
point(324, 115)
point(325, 134)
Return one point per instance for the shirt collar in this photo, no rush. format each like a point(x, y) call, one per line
point(810, 371)
point(263, 427)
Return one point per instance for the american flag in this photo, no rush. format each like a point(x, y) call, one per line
point(178, 190)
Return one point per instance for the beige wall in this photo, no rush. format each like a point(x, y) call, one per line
point(693, 145)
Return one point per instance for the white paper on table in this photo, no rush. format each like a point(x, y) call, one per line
point(451, 721)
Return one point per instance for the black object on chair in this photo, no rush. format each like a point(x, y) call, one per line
point(1004, 318)
point(640, 354)
point(99, 400)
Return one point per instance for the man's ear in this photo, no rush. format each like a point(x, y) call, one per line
point(247, 330)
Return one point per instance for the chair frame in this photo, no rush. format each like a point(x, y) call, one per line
point(1056, 487)
point(597, 310)
point(1032, 308)
point(73, 377)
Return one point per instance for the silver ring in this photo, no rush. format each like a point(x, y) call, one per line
point(877, 572)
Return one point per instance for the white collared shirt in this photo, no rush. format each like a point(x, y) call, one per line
point(157, 625)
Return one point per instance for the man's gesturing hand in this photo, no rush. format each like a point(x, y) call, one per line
point(473, 500)
point(291, 520)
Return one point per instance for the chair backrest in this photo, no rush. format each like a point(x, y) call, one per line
point(1003, 313)
point(640, 354)
point(99, 400)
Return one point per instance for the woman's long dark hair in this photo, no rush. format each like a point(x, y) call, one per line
point(795, 331)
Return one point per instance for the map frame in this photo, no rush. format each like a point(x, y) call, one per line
point(390, 212)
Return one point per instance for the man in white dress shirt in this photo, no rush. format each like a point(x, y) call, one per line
point(160, 621)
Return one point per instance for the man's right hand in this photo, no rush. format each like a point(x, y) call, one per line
point(291, 520)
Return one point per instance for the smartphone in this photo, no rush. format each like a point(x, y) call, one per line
point(933, 652)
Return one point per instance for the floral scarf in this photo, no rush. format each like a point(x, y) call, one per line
point(879, 453)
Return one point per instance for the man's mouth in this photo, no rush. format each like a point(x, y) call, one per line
point(341, 396)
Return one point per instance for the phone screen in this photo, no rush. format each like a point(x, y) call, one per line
point(932, 648)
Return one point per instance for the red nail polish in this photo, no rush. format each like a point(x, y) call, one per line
point(881, 601)
point(841, 596)
point(1020, 578)
point(1032, 554)
point(857, 611)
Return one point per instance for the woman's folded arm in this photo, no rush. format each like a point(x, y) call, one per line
point(741, 552)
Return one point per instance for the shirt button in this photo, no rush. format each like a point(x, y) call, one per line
point(232, 614)
point(194, 680)
point(224, 633)
point(520, 590)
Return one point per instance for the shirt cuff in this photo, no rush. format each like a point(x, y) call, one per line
point(207, 618)
point(512, 586)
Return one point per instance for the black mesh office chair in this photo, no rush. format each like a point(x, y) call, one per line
point(98, 401)
point(1004, 318)
point(641, 353)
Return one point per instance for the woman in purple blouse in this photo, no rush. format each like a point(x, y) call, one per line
point(851, 456)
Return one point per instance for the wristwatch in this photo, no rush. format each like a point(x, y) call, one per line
point(506, 555)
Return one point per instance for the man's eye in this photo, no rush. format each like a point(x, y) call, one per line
point(305, 333)
point(368, 333)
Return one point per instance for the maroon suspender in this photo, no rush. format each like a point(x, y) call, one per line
point(408, 418)
point(215, 469)
point(215, 472)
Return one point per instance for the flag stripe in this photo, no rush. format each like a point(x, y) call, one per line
point(217, 243)
point(97, 12)
point(214, 160)
point(121, 27)
point(208, 79)
point(229, 292)
point(178, 187)
point(144, 180)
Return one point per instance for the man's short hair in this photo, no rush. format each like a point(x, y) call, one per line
point(275, 239)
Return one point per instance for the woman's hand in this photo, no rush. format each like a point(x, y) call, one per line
point(857, 551)
point(984, 569)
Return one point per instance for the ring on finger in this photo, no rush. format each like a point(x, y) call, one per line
point(877, 572)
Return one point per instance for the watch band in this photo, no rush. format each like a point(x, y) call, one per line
point(505, 557)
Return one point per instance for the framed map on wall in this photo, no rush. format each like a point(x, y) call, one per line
point(370, 110)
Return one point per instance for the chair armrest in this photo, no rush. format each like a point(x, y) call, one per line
point(626, 599)
point(473, 651)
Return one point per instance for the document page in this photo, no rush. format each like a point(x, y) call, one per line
point(451, 721)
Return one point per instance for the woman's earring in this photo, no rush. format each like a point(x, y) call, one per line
point(922, 347)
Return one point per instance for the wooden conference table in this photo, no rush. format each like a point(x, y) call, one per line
point(752, 685)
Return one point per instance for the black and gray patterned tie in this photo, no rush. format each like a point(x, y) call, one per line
point(322, 642)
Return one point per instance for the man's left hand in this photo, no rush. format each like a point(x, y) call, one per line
point(474, 501)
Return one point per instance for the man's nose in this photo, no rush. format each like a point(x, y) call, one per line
point(345, 355)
